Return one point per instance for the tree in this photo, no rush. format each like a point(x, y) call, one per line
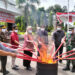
point(28, 8)
point(54, 9)
point(42, 19)
point(41, 9)
point(74, 23)
point(50, 9)
point(20, 23)
point(19, 2)
point(57, 8)
point(51, 19)
point(64, 9)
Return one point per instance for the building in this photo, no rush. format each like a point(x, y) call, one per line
point(8, 11)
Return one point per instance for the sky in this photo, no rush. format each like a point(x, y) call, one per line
point(47, 3)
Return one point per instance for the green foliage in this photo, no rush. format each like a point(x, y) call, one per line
point(49, 28)
point(41, 9)
point(21, 33)
point(2, 23)
point(20, 23)
point(42, 19)
point(74, 23)
point(51, 18)
point(65, 28)
point(57, 8)
point(28, 18)
point(18, 2)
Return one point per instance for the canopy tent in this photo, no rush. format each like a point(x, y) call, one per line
point(65, 17)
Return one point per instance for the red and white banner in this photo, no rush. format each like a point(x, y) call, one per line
point(6, 17)
point(63, 17)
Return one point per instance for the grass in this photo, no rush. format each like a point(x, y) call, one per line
point(22, 33)
point(49, 33)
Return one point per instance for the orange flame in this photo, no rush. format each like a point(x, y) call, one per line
point(44, 57)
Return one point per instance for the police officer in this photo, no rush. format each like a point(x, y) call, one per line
point(70, 44)
point(57, 38)
point(3, 58)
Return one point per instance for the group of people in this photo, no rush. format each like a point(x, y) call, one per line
point(41, 36)
point(58, 37)
point(5, 51)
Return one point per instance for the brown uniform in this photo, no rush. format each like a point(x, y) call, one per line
point(3, 58)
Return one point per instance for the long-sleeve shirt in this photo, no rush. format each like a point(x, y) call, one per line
point(57, 36)
point(43, 36)
point(13, 37)
point(27, 44)
point(2, 37)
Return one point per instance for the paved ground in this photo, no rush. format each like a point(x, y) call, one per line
point(23, 71)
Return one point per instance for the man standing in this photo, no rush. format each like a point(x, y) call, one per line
point(15, 43)
point(70, 44)
point(57, 37)
point(44, 35)
point(3, 58)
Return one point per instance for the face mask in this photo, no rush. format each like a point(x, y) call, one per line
point(58, 28)
point(70, 32)
point(10, 31)
point(38, 28)
point(3, 30)
point(42, 29)
point(16, 31)
point(30, 31)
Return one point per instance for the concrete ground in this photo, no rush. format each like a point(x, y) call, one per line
point(22, 70)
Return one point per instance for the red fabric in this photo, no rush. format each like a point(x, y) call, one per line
point(70, 18)
point(27, 43)
point(58, 18)
point(70, 13)
point(14, 36)
point(59, 15)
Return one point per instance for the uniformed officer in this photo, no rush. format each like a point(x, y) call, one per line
point(70, 44)
point(3, 58)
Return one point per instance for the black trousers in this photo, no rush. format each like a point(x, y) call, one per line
point(60, 50)
point(3, 63)
point(26, 63)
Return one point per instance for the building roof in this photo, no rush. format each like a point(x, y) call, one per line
point(9, 7)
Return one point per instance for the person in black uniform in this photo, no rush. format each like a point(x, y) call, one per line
point(57, 37)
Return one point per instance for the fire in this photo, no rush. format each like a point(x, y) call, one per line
point(44, 57)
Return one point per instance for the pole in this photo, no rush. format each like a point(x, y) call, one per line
point(68, 17)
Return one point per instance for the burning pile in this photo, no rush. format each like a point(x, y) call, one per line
point(43, 56)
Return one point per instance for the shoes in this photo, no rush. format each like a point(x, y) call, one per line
point(6, 72)
point(1, 71)
point(60, 61)
point(15, 68)
point(29, 68)
point(66, 69)
point(73, 70)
